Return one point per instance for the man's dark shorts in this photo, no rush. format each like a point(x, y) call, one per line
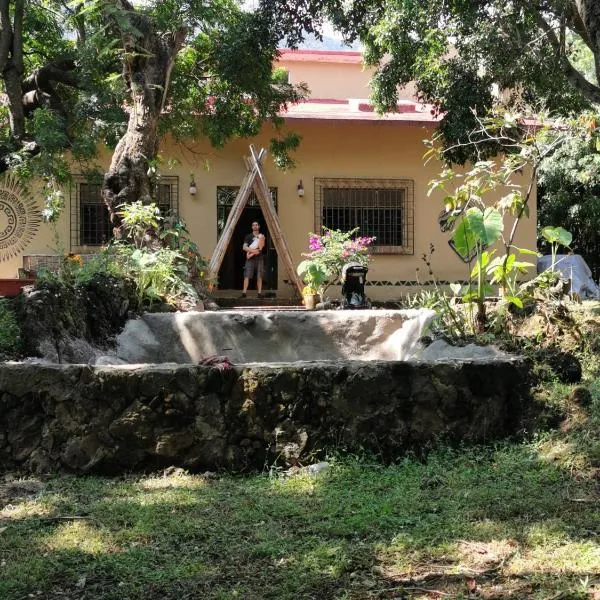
point(254, 266)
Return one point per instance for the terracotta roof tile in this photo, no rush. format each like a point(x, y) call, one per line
point(359, 110)
point(329, 56)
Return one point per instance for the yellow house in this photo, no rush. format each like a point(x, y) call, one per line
point(354, 168)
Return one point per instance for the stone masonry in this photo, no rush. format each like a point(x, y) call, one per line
point(110, 419)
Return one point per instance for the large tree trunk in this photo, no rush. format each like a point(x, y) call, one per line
point(147, 66)
point(23, 96)
point(11, 59)
point(583, 16)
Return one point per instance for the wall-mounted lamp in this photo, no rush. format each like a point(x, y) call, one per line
point(300, 189)
point(192, 188)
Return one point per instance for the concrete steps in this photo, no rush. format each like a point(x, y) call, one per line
point(251, 301)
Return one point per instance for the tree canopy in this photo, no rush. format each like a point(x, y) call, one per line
point(466, 55)
point(125, 73)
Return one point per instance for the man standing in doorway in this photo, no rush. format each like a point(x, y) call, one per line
point(254, 244)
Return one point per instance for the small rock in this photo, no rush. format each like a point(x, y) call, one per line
point(173, 472)
point(317, 468)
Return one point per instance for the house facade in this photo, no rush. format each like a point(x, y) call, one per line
point(354, 168)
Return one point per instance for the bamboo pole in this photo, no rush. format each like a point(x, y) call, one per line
point(263, 194)
point(254, 178)
point(234, 215)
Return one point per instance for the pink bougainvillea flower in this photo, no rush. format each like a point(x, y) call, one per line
point(314, 243)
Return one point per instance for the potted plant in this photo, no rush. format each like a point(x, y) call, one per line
point(328, 255)
point(310, 297)
point(314, 276)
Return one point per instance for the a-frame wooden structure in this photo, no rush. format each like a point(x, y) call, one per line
point(254, 179)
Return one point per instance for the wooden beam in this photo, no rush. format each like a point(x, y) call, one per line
point(234, 215)
point(263, 194)
point(254, 178)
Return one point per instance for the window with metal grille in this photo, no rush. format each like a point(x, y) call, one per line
point(380, 208)
point(226, 195)
point(90, 221)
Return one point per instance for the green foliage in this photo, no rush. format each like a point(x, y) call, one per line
point(281, 148)
point(569, 191)
point(313, 274)
point(174, 235)
point(159, 275)
point(582, 57)
point(458, 54)
point(54, 204)
point(478, 228)
point(475, 223)
point(159, 256)
point(223, 76)
point(556, 237)
point(141, 222)
point(49, 130)
point(505, 271)
point(451, 321)
point(329, 254)
point(74, 271)
point(10, 333)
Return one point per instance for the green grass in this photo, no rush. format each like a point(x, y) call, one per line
point(510, 518)
point(517, 520)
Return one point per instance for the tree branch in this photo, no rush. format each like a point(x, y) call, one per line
point(12, 74)
point(177, 43)
point(60, 70)
point(17, 45)
point(588, 89)
point(587, 13)
point(5, 33)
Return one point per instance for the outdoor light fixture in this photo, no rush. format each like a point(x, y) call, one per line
point(193, 189)
point(300, 189)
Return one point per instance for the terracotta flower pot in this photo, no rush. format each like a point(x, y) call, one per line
point(310, 301)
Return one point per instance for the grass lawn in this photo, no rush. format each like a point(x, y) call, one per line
point(517, 521)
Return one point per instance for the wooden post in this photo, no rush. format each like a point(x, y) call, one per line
point(264, 198)
point(234, 216)
point(254, 178)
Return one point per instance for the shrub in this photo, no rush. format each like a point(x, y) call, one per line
point(10, 333)
point(329, 254)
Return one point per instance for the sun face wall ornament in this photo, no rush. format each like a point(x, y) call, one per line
point(20, 218)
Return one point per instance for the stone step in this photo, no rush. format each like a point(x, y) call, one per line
point(254, 302)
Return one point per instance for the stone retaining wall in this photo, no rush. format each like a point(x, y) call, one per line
point(83, 418)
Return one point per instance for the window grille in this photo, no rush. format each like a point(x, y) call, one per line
point(226, 195)
point(90, 221)
point(380, 208)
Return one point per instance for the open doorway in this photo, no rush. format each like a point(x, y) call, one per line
point(231, 273)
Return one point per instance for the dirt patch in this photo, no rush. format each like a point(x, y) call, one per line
point(486, 555)
point(19, 490)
